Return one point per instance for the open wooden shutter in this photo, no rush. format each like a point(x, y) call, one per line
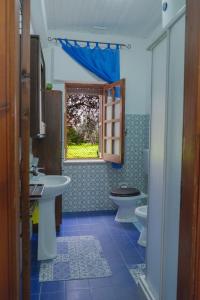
point(113, 121)
point(101, 126)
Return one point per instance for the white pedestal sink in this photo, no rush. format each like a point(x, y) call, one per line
point(54, 185)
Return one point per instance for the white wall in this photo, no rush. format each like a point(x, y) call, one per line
point(135, 68)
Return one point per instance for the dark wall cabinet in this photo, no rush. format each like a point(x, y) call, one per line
point(49, 149)
point(37, 90)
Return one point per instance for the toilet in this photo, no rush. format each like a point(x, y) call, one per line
point(126, 199)
point(141, 214)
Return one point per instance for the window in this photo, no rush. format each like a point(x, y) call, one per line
point(82, 134)
point(94, 121)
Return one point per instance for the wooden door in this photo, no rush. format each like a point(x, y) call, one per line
point(9, 150)
point(189, 245)
point(25, 136)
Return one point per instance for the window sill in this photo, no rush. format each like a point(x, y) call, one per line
point(84, 161)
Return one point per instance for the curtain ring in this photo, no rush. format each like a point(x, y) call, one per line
point(76, 44)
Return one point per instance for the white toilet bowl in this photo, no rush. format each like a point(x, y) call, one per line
point(141, 214)
point(127, 204)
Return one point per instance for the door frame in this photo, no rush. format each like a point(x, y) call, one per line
point(9, 151)
point(189, 237)
point(25, 147)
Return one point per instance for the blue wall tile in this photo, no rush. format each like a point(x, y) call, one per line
point(91, 183)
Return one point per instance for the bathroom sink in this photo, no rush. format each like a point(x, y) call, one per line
point(54, 185)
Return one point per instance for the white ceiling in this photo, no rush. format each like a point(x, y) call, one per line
point(124, 17)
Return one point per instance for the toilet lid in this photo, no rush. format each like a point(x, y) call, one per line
point(125, 192)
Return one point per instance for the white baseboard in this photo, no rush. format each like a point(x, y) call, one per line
point(144, 289)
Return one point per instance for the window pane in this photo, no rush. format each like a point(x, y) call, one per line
point(117, 129)
point(109, 96)
point(108, 129)
point(82, 121)
point(108, 112)
point(117, 110)
point(108, 146)
point(116, 147)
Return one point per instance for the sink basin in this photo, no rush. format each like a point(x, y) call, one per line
point(54, 185)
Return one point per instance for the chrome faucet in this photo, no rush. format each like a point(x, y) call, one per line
point(34, 171)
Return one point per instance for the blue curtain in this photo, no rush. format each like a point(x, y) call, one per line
point(105, 63)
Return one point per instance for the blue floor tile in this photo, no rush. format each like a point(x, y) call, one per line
point(131, 257)
point(70, 229)
point(141, 250)
point(126, 293)
point(122, 278)
point(76, 284)
point(120, 248)
point(72, 233)
point(85, 221)
point(35, 274)
point(105, 293)
point(123, 242)
point(79, 295)
point(53, 296)
point(35, 297)
point(35, 286)
point(115, 263)
point(115, 293)
point(53, 287)
point(69, 219)
point(133, 235)
point(100, 282)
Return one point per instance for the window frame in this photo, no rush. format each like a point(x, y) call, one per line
point(114, 158)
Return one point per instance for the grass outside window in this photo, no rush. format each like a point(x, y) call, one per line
point(82, 151)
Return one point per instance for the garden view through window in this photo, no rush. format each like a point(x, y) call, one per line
point(82, 123)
